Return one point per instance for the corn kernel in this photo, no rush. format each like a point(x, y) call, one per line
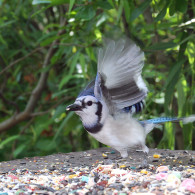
point(156, 156)
point(72, 176)
point(143, 171)
point(104, 155)
point(122, 166)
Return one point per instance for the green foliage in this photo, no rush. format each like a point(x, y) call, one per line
point(74, 30)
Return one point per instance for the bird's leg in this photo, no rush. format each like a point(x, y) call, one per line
point(124, 153)
point(108, 162)
point(145, 150)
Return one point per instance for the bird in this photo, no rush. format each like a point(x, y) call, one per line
point(108, 103)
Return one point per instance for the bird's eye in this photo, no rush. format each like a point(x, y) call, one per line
point(89, 103)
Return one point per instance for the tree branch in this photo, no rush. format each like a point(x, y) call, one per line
point(21, 133)
point(42, 81)
point(36, 93)
point(126, 25)
point(158, 56)
point(20, 59)
point(9, 102)
point(15, 119)
point(54, 106)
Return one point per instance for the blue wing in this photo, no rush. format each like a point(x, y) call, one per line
point(135, 108)
point(89, 90)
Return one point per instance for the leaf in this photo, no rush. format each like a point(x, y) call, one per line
point(19, 150)
point(183, 45)
point(59, 93)
point(181, 5)
point(120, 10)
point(188, 130)
point(72, 125)
point(58, 56)
point(181, 95)
point(52, 2)
point(42, 123)
point(69, 115)
point(101, 20)
point(86, 13)
point(170, 135)
point(2, 40)
point(46, 36)
point(60, 109)
point(49, 40)
point(187, 38)
point(8, 140)
point(35, 2)
point(168, 140)
point(171, 81)
point(191, 53)
point(188, 134)
point(173, 72)
point(111, 3)
point(83, 64)
point(59, 2)
point(162, 13)
point(45, 145)
point(172, 8)
point(5, 24)
point(72, 67)
point(162, 46)
point(40, 11)
point(71, 5)
point(127, 10)
point(137, 11)
point(103, 4)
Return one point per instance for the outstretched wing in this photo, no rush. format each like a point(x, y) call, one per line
point(119, 80)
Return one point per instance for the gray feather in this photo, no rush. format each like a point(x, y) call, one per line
point(120, 63)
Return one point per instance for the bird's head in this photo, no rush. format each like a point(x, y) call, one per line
point(90, 110)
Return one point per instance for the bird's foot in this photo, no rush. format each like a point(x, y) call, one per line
point(144, 148)
point(108, 162)
point(124, 153)
point(145, 151)
point(120, 158)
point(144, 163)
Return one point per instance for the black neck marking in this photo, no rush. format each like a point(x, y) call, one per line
point(83, 103)
point(94, 129)
point(99, 111)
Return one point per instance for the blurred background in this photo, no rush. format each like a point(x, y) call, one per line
point(48, 53)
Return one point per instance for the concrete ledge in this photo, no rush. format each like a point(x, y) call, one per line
point(102, 155)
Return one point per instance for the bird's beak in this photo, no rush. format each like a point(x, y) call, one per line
point(74, 107)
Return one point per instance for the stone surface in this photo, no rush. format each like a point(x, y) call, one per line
point(90, 157)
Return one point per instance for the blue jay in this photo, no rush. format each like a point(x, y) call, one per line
point(107, 104)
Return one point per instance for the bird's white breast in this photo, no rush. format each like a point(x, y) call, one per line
point(121, 132)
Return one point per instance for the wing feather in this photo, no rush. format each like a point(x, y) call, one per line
point(120, 65)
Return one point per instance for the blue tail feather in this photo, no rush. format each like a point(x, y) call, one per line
point(151, 123)
point(162, 120)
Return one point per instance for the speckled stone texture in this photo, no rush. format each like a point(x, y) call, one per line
point(101, 171)
point(107, 155)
